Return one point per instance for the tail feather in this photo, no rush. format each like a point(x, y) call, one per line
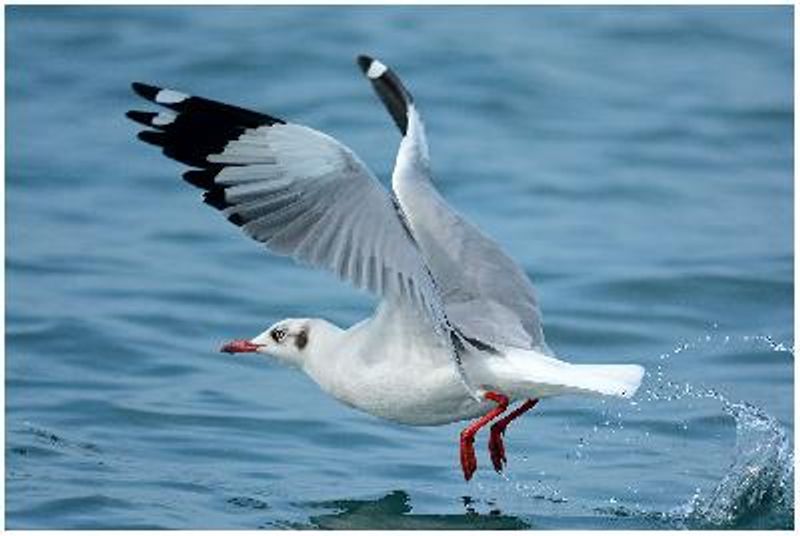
point(527, 374)
point(613, 380)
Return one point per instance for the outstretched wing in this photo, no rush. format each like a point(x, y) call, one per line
point(485, 294)
point(296, 190)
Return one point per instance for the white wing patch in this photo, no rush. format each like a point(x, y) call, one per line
point(170, 96)
point(163, 119)
point(376, 69)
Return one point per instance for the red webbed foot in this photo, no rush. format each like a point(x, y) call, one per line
point(497, 450)
point(469, 462)
point(467, 451)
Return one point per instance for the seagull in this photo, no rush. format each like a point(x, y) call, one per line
point(457, 332)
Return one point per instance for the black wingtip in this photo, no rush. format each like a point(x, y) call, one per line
point(216, 198)
point(201, 178)
point(364, 62)
point(153, 137)
point(236, 220)
point(389, 88)
point(143, 118)
point(145, 90)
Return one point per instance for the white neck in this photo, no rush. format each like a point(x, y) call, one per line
point(324, 341)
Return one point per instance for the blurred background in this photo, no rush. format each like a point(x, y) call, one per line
point(637, 162)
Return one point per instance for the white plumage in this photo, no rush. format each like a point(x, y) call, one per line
point(458, 329)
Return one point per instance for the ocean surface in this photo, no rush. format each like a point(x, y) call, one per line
point(636, 162)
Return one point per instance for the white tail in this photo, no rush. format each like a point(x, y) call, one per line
point(614, 380)
point(529, 374)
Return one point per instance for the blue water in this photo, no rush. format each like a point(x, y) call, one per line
point(637, 162)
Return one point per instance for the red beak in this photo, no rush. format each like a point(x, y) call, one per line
point(240, 347)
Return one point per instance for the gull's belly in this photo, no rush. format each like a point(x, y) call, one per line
point(425, 398)
point(418, 392)
point(396, 367)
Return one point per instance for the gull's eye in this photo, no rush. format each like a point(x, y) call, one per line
point(278, 334)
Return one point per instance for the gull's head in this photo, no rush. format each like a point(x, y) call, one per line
point(289, 340)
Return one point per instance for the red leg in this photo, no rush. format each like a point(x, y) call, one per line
point(497, 450)
point(468, 462)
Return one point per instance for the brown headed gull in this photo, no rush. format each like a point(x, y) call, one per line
point(457, 334)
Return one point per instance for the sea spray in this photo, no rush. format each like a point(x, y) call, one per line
point(758, 488)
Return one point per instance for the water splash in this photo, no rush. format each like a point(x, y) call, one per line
point(758, 488)
point(757, 491)
point(711, 340)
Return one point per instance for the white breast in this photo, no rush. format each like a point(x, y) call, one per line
point(393, 366)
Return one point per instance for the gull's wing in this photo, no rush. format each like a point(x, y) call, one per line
point(485, 294)
point(298, 191)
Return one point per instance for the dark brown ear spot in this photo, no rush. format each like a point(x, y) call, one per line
point(301, 339)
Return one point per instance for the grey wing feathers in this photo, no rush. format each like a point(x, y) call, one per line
point(296, 190)
point(308, 197)
point(485, 294)
point(491, 299)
